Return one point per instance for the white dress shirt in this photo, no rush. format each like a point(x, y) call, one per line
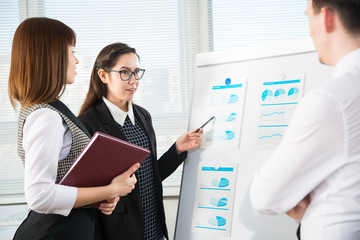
point(118, 114)
point(320, 156)
point(46, 140)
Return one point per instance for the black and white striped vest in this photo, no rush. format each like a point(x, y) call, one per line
point(80, 136)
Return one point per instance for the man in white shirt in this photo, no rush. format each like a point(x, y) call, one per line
point(314, 174)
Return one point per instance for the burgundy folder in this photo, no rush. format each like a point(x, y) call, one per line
point(102, 159)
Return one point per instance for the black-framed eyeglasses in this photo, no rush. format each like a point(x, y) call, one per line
point(125, 75)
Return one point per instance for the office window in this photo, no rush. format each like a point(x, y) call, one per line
point(155, 28)
point(237, 23)
point(11, 170)
point(166, 36)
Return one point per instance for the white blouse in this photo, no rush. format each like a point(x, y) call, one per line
point(46, 140)
point(320, 156)
point(118, 114)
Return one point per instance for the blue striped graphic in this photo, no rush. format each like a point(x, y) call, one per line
point(226, 86)
point(221, 169)
point(211, 228)
point(281, 82)
point(270, 104)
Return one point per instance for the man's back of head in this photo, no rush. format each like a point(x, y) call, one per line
point(334, 27)
point(347, 10)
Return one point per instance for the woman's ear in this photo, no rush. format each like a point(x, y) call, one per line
point(102, 75)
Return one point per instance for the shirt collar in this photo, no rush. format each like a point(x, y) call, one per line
point(347, 64)
point(118, 114)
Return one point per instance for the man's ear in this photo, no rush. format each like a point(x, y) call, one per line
point(102, 75)
point(329, 16)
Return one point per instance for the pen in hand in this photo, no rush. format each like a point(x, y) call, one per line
point(205, 124)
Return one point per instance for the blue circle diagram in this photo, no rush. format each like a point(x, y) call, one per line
point(222, 182)
point(279, 94)
point(267, 95)
point(293, 93)
point(218, 202)
point(233, 98)
point(225, 135)
point(231, 117)
point(217, 221)
point(227, 81)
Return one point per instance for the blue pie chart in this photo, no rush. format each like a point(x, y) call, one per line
point(222, 182)
point(267, 95)
point(293, 93)
point(231, 117)
point(229, 135)
point(218, 202)
point(217, 221)
point(233, 98)
point(279, 94)
point(226, 135)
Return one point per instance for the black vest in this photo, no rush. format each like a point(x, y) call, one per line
point(80, 136)
point(80, 224)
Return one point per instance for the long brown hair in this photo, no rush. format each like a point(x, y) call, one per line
point(39, 59)
point(107, 58)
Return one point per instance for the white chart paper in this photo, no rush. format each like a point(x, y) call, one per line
point(278, 101)
point(227, 105)
point(213, 207)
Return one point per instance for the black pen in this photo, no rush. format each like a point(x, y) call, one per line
point(205, 123)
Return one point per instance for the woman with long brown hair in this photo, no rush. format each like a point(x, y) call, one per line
point(50, 137)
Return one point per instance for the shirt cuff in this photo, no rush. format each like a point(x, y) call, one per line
point(64, 200)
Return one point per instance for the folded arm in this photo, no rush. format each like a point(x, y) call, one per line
point(303, 160)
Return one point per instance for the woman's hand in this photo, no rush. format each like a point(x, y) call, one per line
point(188, 141)
point(108, 207)
point(299, 210)
point(120, 186)
point(125, 183)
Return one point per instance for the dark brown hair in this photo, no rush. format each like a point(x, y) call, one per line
point(39, 59)
point(348, 10)
point(107, 58)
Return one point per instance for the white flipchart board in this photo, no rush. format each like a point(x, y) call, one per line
point(253, 63)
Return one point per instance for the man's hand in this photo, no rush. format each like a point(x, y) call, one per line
point(299, 210)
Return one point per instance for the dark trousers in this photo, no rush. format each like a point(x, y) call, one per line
point(298, 232)
point(77, 226)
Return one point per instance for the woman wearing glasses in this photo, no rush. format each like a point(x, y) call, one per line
point(109, 108)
